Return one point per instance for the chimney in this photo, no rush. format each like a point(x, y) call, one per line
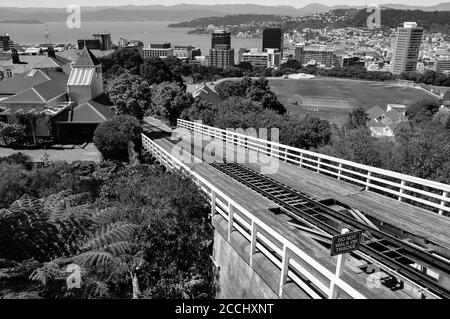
point(51, 52)
point(15, 56)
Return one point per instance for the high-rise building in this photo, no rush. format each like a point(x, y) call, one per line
point(221, 38)
point(195, 53)
point(406, 50)
point(182, 52)
point(241, 51)
point(105, 40)
point(442, 65)
point(272, 39)
point(5, 42)
point(123, 42)
point(270, 58)
point(161, 50)
point(221, 55)
point(256, 58)
point(320, 55)
point(91, 44)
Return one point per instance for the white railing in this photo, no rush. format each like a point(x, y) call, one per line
point(412, 190)
point(291, 260)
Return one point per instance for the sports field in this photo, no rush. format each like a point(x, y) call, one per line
point(332, 99)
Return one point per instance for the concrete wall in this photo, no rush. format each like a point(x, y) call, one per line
point(236, 279)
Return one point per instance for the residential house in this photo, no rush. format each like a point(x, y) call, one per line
point(75, 103)
point(383, 123)
point(206, 93)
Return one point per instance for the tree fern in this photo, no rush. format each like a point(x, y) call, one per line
point(49, 271)
point(26, 203)
point(94, 258)
point(110, 234)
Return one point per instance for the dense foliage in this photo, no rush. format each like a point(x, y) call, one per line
point(130, 94)
point(11, 134)
point(114, 137)
point(136, 232)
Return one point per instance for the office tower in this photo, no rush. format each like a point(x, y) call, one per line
point(221, 38)
point(256, 58)
point(183, 52)
point(241, 51)
point(105, 40)
point(221, 55)
point(195, 53)
point(5, 42)
point(314, 54)
point(161, 50)
point(406, 50)
point(123, 42)
point(442, 65)
point(91, 44)
point(272, 39)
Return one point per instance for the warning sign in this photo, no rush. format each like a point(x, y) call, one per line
point(345, 243)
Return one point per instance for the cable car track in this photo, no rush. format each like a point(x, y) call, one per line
point(389, 250)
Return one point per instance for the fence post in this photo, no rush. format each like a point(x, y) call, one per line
point(230, 220)
point(253, 241)
point(318, 164)
point(369, 174)
point(339, 271)
point(339, 171)
point(213, 203)
point(400, 198)
point(444, 194)
point(284, 270)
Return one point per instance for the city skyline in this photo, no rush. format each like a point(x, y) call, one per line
point(296, 4)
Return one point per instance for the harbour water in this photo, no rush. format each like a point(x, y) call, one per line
point(148, 32)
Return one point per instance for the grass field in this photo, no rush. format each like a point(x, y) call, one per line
point(332, 99)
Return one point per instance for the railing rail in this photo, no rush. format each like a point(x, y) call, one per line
point(427, 194)
point(291, 260)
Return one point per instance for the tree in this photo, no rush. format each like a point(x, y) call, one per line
point(122, 59)
point(259, 91)
point(113, 137)
point(422, 111)
point(359, 146)
point(306, 133)
point(155, 71)
point(131, 94)
point(169, 100)
point(11, 134)
point(422, 152)
point(442, 118)
point(356, 118)
point(200, 110)
point(229, 88)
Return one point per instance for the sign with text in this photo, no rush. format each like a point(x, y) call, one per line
point(345, 243)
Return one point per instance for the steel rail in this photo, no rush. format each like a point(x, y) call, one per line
point(412, 254)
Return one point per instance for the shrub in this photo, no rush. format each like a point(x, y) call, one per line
point(11, 134)
point(113, 137)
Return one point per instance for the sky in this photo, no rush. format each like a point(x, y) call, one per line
point(294, 3)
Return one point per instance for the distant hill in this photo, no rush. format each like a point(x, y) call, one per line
point(183, 12)
point(227, 20)
point(436, 21)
